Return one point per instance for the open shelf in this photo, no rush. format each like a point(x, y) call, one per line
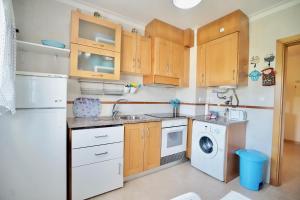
point(43, 49)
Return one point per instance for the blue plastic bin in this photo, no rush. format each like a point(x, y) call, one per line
point(252, 165)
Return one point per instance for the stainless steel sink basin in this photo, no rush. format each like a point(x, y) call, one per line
point(130, 117)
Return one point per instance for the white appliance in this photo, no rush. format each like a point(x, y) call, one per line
point(97, 161)
point(208, 148)
point(33, 141)
point(174, 134)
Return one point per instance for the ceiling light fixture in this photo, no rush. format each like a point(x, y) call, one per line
point(186, 4)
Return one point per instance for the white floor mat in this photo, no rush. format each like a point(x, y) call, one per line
point(234, 196)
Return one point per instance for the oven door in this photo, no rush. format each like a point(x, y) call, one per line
point(173, 140)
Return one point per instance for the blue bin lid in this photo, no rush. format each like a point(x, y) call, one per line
point(252, 155)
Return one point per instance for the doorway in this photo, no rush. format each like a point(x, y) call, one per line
point(285, 163)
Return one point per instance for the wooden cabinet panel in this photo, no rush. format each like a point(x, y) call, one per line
point(152, 145)
point(185, 72)
point(201, 66)
point(142, 147)
point(89, 62)
point(221, 61)
point(189, 139)
point(177, 60)
point(134, 149)
point(128, 53)
point(164, 57)
point(228, 24)
point(143, 55)
point(157, 28)
point(136, 54)
point(95, 32)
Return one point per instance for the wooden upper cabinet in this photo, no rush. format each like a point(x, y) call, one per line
point(136, 54)
point(201, 75)
point(152, 145)
point(177, 60)
point(162, 59)
point(128, 53)
point(170, 54)
point(95, 63)
point(143, 55)
point(95, 32)
point(221, 61)
point(134, 149)
point(95, 47)
point(142, 147)
point(168, 58)
point(234, 22)
point(223, 51)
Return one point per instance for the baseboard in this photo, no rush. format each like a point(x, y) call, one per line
point(151, 171)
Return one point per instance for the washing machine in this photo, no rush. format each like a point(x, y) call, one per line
point(208, 148)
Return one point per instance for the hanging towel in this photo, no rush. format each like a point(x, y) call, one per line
point(7, 57)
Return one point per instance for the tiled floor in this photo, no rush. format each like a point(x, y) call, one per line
point(183, 178)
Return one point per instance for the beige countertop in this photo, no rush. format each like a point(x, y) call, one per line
point(86, 122)
point(220, 121)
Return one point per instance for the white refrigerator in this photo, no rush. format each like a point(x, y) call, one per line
point(33, 141)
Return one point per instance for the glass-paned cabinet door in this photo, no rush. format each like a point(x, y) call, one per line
point(89, 62)
point(95, 32)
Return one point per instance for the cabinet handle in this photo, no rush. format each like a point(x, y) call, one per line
point(233, 74)
point(101, 154)
point(139, 63)
point(101, 45)
point(148, 132)
point(142, 134)
point(119, 170)
point(202, 78)
point(101, 136)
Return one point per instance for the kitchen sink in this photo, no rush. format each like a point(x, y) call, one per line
point(130, 117)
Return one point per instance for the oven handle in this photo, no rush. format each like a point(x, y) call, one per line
point(174, 126)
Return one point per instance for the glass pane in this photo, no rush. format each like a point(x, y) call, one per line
point(174, 139)
point(206, 145)
point(95, 32)
point(96, 63)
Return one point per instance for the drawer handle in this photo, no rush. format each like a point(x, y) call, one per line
point(101, 154)
point(101, 136)
point(120, 165)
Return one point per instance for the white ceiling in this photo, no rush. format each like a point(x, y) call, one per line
point(144, 11)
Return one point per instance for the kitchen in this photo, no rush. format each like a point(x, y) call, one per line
point(139, 93)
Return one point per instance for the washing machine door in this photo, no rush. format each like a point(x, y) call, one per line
point(207, 145)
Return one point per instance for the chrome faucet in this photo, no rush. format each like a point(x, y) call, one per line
point(115, 110)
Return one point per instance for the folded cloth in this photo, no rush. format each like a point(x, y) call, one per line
point(188, 196)
point(235, 196)
point(7, 57)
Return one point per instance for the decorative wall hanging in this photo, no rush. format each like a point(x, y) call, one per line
point(268, 74)
point(254, 74)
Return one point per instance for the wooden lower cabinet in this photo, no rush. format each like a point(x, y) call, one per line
point(142, 147)
point(134, 149)
point(152, 145)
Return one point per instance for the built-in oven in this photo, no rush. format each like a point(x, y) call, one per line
point(173, 141)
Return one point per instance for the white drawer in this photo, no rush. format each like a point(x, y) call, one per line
point(95, 154)
point(95, 179)
point(97, 136)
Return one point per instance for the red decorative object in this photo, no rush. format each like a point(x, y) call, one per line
point(268, 76)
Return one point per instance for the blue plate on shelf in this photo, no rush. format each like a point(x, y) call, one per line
point(53, 43)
